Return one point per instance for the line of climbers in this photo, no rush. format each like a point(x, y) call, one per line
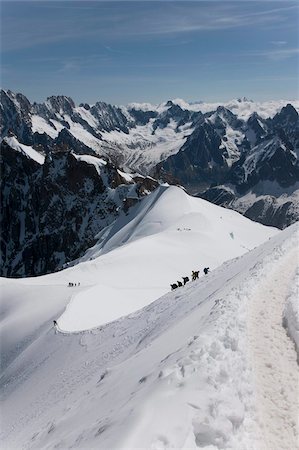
point(186, 279)
point(73, 284)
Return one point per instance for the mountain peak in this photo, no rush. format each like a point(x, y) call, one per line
point(244, 99)
point(61, 103)
point(289, 111)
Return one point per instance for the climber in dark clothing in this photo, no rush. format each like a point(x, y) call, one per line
point(195, 274)
point(206, 270)
point(185, 280)
point(55, 323)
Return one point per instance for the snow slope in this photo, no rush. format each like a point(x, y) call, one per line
point(164, 238)
point(176, 374)
point(28, 151)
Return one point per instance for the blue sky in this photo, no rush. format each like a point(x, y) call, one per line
point(120, 51)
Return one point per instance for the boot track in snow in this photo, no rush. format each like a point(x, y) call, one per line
point(273, 355)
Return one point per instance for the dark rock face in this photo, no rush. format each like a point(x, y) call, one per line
point(268, 212)
point(269, 154)
point(66, 141)
point(200, 159)
point(142, 117)
point(176, 113)
point(14, 115)
point(219, 196)
point(266, 209)
point(268, 151)
point(273, 160)
point(110, 117)
point(60, 103)
point(51, 213)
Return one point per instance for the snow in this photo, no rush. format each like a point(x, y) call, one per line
point(268, 191)
point(175, 374)
point(291, 311)
point(181, 229)
point(261, 151)
point(165, 237)
point(25, 149)
point(40, 125)
point(77, 130)
point(87, 116)
point(93, 160)
point(57, 125)
point(126, 176)
point(274, 377)
point(145, 147)
point(231, 140)
point(142, 106)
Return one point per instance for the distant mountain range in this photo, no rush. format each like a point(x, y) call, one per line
point(67, 169)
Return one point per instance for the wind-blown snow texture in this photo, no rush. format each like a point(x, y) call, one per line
point(176, 374)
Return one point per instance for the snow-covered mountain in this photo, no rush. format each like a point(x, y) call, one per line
point(236, 146)
point(138, 136)
point(54, 200)
point(53, 205)
point(199, 367)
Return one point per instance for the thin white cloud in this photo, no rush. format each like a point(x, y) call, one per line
point(107, 22)
point(279, 54)
point(278, 43)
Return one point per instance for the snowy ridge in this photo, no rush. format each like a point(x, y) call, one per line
point(176, 374)
point(26, 150)
point(164, 238)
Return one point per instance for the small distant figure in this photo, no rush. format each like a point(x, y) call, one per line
point(195, 274)
point(55, 323)
point(185, 280)
point(173, 286)
point(79, 283)
point(206, 270)
point(180, 284)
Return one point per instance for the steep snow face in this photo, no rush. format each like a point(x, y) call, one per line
point(26, 150)
point(176, 374)
point(170, 209)
point(134, 262)
point(40, 125)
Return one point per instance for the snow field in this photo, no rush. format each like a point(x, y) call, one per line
point(164, 238)
point(176, 374)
